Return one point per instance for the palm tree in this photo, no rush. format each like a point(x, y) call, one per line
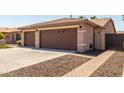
point(82, 17)
point(93, 17)
point(122, 17)
point(70, 16)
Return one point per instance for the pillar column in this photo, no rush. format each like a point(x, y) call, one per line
point(22, 38)
point(37, 39)
point(81, 44)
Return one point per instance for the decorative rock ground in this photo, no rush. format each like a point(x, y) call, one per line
point(51, 68)
point(113, 67)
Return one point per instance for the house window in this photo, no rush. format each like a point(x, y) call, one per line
point(18, 36)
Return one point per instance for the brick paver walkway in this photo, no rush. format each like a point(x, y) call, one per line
point(89, 67)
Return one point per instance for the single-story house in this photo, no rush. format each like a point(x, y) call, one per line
point(11, 34)
point(68, 33)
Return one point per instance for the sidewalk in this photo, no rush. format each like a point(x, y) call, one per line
point(89, 67)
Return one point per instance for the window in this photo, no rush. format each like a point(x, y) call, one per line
point(18, 36)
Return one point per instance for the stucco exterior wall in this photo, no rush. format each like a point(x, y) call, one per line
point(37, 39)
point(109, 29)
point(22, 38)
point(98, 39)
point(81, 40)
point(88, 37)
point(100, 35)
point(102, 40)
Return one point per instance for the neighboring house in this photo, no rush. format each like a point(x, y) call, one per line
point(11, 34)
point(120, 32)
point(68, 33)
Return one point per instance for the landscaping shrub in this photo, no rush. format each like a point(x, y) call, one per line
point(1, 35)
point(4, 46)
point(19, 43)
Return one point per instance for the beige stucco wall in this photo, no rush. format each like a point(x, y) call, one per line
point(88, 37)
point(109, 29)
point(81, 40)
point(100, 35)
point(98, 39)
point(102, 40)
point(85, 38)
point(22, 38)
point(37, 39)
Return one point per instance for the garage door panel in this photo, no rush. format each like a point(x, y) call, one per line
point(59, 39)
point(29, 38)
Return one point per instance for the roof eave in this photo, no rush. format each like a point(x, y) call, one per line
point(95, 25)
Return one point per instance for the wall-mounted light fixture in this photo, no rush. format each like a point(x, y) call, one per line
point(80, 27)
point(36, 30)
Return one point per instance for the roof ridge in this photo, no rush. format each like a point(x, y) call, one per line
point(49, 21)
point(100, 18)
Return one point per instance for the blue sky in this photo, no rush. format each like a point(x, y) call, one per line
point(21, 20)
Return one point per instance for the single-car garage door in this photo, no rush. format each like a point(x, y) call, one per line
point(29, 39)
point(59, 39)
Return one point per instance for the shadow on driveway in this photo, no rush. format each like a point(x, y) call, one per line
point(93, 53)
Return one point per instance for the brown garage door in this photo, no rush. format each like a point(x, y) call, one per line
point(59, 39)
point(29, 39)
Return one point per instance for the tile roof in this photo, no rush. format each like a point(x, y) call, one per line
point(58, 22)
point(8, 30)
point(101, 21)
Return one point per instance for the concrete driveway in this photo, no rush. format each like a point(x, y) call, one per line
point(15, 58)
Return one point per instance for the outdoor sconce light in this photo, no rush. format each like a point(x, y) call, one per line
point(36, 30)
point(80, 27)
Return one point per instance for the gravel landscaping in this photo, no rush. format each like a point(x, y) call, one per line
point(113, 67)
point(52, 68)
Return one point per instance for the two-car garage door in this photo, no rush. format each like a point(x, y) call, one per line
point(54, 39)
point(59, 39)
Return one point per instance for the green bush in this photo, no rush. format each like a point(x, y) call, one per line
point(19, 43)
point(4, 46)
point(1, 35)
